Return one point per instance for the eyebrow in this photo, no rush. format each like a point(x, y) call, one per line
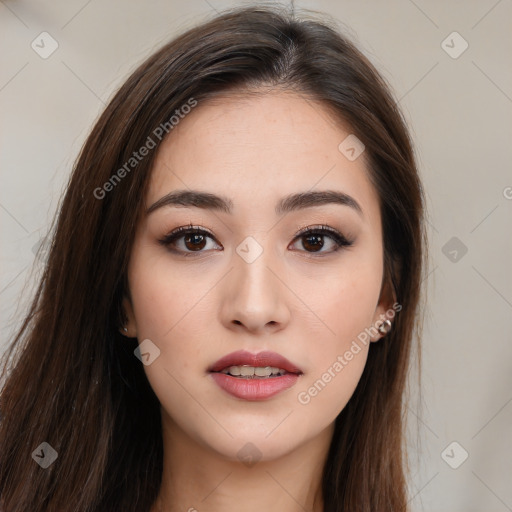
point(292, 202)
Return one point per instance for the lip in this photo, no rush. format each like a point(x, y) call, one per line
point(254, 389)
point(265, 358)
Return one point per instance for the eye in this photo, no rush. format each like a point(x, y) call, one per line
point(187, 240)
point(191, 240)
point(313, 239)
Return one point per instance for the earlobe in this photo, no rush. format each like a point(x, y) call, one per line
point(385, 326)
point(381, 326)
point(129, 329)
point(384, 313)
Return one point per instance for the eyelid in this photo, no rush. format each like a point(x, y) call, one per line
point(190, 227)
point(316, 227)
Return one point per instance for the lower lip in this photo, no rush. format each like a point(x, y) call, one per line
point(254, 389)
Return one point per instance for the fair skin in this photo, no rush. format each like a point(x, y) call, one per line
point(306, 305)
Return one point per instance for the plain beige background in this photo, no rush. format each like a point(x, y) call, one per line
point(456, 93)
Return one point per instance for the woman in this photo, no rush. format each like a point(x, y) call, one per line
point(227, 311)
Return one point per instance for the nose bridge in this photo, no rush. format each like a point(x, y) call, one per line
point(256, 296)
point(252, 259)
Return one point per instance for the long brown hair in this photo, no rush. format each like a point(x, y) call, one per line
point(71, 380)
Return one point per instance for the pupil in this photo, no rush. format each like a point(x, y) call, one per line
point(194, 239)
point(317, 245)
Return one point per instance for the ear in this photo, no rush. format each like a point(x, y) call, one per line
point(385, 310)
point(129, 329)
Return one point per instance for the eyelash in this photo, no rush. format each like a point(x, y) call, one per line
point(321, 230)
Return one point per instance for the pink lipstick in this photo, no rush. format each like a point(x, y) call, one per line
point(254, 376)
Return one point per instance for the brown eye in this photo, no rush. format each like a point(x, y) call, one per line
point(188, 240)
point(314, 240)
point(194, 242)
point(313, 243)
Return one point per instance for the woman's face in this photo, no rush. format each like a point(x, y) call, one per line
point(245, 280)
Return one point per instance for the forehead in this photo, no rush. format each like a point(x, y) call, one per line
point(255, 149)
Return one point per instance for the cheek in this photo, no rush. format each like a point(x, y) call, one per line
point(344, 306)
point(338, 350)
point(341, 302)
point(171, 309)
point(350, 306)
point(168, 298)
point(172, 305)
point(326, 393)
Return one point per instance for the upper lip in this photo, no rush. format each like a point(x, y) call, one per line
point(265, 358)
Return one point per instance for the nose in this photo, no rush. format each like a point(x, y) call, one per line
point(255, 295)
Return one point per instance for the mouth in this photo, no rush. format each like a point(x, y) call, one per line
point(264, 364)
point(254, 376)
point(246, 371)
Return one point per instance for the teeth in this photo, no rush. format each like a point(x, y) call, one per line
point(262, 372)
point(253, 371)
point(246, 371)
